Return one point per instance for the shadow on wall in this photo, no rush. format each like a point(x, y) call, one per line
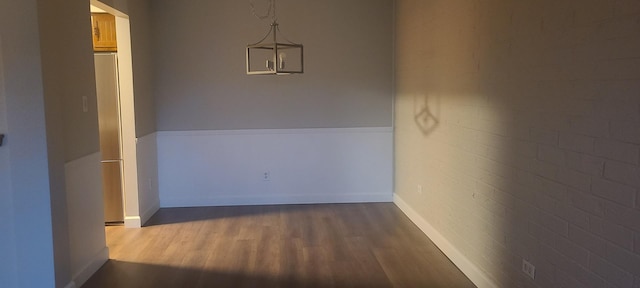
point(425, 119)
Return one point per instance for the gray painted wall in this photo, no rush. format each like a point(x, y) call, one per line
point(30, 205)
point(142, 51)
point(7, 241)
point(199, 56)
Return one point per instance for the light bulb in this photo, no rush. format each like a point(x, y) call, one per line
point(282, 57)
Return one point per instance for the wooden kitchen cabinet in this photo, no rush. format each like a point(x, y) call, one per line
point(103, 28)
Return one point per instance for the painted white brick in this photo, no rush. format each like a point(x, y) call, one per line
point(546, 203)
point(625, 91)
point(544, 136)
point(586, 89)
point(587, 240)
point(593, 11)
point(523, 245)
point(537, 137)
point(551, 154)
point(613, 191)
point(551, 188)
point(622, 173)
point(576, 142)
point(573, 215)
point(626, 131)
point(626, 7)
point(578, 107)
point(625, 259)
point(612, 232)
point(526, 148)
point(618, 110)
point(552, 222)
point(618, 69)
point(587, 202)
point(589, 126)
point(599, 50)
point(541, 233)
point(545, 170)
point(564, 280)
point(621, 27)
point(585, 163)
point(615, 150)
point(622, 215)
point(526, 178)
point(523, 162)
point(574, 179)
point(572, 250)
point(585, 277)
point(610, 272)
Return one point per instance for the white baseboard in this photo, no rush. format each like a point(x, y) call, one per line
point(132, 222)
point(92, 267)
point(277, 199)
point(146, 215)
point(467, 267)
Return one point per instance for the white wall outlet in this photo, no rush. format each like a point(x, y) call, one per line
point(266, 176)
point(529, 269)
point(420, 190)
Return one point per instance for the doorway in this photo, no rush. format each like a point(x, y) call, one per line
point(126, 128)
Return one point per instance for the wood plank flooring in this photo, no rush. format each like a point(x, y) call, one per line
point(329, 245)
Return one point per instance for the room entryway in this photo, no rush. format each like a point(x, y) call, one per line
point(114, 84)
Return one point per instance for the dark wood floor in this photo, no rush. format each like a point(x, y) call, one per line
point(335, 245)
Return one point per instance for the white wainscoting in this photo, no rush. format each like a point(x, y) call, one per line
point(333, 165)
point(86, 217)
point(148, 195)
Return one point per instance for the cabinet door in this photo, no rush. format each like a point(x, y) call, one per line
point(104, 32)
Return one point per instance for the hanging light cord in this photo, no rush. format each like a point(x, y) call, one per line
point(271, 10)
point(271, 13)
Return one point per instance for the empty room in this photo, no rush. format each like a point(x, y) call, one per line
point(299, 143)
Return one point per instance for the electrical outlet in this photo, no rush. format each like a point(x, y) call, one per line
point(529, 269)
point(420, 190)
point(266, 176)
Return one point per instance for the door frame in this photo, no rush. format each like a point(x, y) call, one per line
point(130, 197)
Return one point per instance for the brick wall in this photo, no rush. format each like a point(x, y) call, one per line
point(518, 134)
